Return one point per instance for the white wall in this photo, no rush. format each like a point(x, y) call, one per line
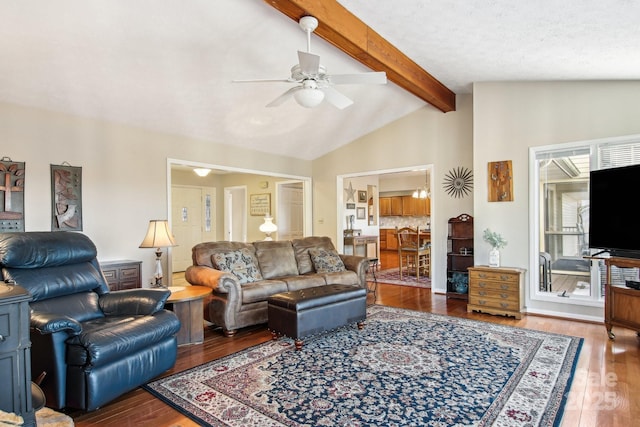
point(511, 117)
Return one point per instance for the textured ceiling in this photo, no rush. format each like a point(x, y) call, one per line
point(168, 65)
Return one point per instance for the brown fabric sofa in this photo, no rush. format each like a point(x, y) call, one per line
point(239, 295)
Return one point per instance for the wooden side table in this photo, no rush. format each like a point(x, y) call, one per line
point(186, 303)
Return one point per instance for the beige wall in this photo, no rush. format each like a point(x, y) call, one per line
point(511, 117)
point(424, 137)
point(124, 173)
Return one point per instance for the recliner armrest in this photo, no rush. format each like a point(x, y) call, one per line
point(357, 264)
point(48, 323)
point(134, 301)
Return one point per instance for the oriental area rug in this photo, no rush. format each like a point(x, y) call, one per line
point(405, 368)
point(392, 276)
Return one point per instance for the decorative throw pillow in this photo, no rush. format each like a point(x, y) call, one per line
point(326, 261)
point(241, 263)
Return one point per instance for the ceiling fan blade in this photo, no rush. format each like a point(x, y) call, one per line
point(282, 98)
point(374, 77)
point(263, 81)
point(309, 63)
point(335, 98)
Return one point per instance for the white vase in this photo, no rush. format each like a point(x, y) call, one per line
point(494, 257)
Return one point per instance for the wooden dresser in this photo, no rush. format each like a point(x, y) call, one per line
point(496, 290)
point(122, 274)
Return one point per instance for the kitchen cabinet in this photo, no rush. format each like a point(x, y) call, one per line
point(412, 206)
point(383, 239)
point(392, 239)
point(390, 206)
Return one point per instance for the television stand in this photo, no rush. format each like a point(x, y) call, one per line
point(621, 303)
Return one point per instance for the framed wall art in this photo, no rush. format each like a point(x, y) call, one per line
point(362, 197)
point(11, 195)
point(351, 205)
point(66, 197)
point(500, 181)
point(260, 204)
point(361, 213)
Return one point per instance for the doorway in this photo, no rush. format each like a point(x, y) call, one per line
point(290, 210)
point(235, 213)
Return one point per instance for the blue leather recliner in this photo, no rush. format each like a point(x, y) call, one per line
point(92, 344)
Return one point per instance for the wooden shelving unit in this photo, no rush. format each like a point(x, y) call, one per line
point(459, 252)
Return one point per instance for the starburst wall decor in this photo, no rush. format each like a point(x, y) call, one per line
point(458, 182)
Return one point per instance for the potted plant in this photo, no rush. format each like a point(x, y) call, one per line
point(497, 242)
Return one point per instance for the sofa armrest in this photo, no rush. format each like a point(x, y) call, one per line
point(48, 323)
point(357, 264)
point(134, 301)
point(217, 280)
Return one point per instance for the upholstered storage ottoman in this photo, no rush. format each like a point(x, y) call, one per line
point(299, 314)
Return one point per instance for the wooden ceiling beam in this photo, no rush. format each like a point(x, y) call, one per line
point(344, 30)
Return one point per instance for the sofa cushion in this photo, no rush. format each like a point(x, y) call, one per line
point(260, 291)
point(276, 258)
point(241, 263)
point(295, 283)
point(326, 261)
point(347, 277)
point(302, 246)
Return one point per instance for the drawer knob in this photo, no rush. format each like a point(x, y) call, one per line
point(482, 275)
point(504, 305)
point(482, 302)
point(503, 286)
point(504, 295)
point(504, 277)
point(482, 293)
point(482, 284)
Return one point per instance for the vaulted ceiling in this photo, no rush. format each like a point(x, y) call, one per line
point(168, 66)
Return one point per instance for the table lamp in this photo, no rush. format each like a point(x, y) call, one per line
point(158, 236)
point(268, 227)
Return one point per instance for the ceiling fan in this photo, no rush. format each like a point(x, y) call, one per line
point(313, 84)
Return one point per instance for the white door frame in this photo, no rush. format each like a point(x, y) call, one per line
point(235, 225)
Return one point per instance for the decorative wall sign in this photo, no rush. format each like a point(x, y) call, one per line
point(11, 195)
point(361, 213)
point(362, 197)
point(351, 205)
point(458, 182)
point(500, 177)
point(260, 204)
point(66, 197)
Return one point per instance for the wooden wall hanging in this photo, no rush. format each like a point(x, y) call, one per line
point(66, 197)
point(12, 195)
point(500, 176)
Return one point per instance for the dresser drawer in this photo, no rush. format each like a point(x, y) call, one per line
point(506, 304)
point(488, 286)
point(494, 276)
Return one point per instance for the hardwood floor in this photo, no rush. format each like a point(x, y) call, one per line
point(605, 390)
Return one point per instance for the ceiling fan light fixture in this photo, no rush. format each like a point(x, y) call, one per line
point(309, 96)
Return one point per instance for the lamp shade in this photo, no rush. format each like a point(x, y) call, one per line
point(158, 235)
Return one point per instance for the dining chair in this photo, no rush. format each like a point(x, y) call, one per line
point(412, 252)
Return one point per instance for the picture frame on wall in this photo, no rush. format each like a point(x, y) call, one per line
point(66, 197)
point(12, 176)
point(351, 205)
point(260, 204)
point(361, 213)
point(362, 197)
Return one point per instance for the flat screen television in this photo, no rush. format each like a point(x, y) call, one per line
point(614, 227)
